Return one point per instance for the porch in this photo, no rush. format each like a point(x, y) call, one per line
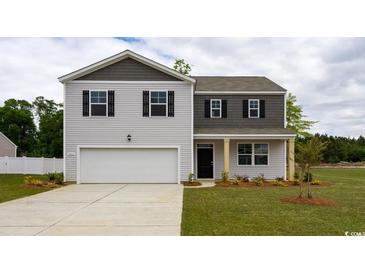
point(244, 154)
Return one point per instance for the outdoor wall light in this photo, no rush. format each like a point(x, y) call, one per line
point(129, 137)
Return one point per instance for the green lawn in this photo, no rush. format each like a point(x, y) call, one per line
point(258, 211)
point(12, 187)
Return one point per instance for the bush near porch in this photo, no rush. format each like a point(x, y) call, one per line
point(259, 211)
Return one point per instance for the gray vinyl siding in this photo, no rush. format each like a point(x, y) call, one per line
point(274, 105)
point(6, 148)
point(128, 70)
point(128, 119)
point(276, 167)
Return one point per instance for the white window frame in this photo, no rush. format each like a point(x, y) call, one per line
point(150, 103)
point(249, 108)
point(238, 154)
point(220, 108)
point(253, 153)
point(106, 103)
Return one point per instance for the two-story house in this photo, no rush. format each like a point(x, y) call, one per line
point(129, 119)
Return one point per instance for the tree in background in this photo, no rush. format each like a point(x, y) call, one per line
point(309, 154)
point(182, 67)
point(341, 149)
point(50, 128)
point(295, 117)
point(16, 122)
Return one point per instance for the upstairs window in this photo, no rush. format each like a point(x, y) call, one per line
point(215, 108)
point(253, 108)
point(158, 103)
point(98, 103)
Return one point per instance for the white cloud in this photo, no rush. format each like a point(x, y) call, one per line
point(325, 74)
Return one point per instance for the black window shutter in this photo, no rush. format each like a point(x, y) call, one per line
point(207, 108)
point(146, 103)
point(245, 108)
point(111, 103)
point(85, 103)
point(171, 103)
point(262, 108)
point(224, 108)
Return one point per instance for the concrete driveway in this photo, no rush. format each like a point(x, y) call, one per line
point(98, 209)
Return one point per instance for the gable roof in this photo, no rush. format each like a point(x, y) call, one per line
point(121, 56)
point(7, 139)
point(235, 83)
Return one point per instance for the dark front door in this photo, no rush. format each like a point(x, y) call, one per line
point(205, 161)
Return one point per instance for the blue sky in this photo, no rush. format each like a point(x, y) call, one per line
point(326, 74)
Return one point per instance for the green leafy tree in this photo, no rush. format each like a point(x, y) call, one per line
point(50, 133)
point(308, 154)
point(182, 67)
point(16, 122)
point(295, 117)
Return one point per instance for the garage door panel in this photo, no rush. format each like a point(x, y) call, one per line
point(128, 165)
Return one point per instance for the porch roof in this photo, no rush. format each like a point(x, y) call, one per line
point(242, 133)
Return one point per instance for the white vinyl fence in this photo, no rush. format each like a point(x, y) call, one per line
point(29, 165)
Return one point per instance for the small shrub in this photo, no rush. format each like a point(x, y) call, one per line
point(279, 179)
point(55, 177)
point(236, 182)
point(191, 177)
point(238, 177)
point(259, 180)
point(225, 176)
point(51, 176)
point(243, 178)
point(308, 177)
point(278, 183)
point(316, 182)
point(296, 182)
point(29, 180)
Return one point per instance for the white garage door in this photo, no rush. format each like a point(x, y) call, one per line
point(128, 165)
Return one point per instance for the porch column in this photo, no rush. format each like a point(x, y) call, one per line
point(226, 155)
point(291, 160)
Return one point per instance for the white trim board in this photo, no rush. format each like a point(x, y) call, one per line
point(121, 56)
point(79, 147)
point(197, 92)
point(244, 136)
point(126, 82)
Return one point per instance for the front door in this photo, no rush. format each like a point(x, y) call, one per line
point(205, 161)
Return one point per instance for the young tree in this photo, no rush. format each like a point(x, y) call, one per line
point(182, 67)
point(16, 122)
point(308, 154)
point(295, 117)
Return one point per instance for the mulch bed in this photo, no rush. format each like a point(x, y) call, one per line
point(49, 185)
point(307, 201)
point(267, 184)
point(193, 183)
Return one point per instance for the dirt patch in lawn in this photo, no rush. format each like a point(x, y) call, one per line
point(193, 183)
point(307, 201)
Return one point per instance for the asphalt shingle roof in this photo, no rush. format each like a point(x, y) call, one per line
point(235, 83)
